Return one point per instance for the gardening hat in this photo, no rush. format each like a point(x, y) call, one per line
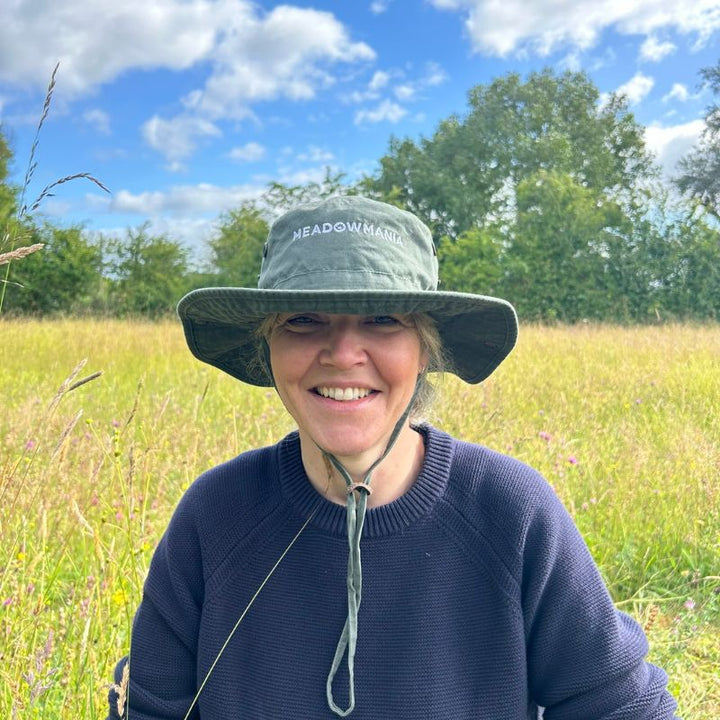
point(353, 256)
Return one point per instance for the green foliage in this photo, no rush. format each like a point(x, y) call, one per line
point(546, 196)
point(236, 249)
point(563, 239)
point(280, 197)
point(700, 170)
point(63, 278)
point(692, 288)
point(149, 274)
point(474, 262)
point(7, 193)
point(466, 175)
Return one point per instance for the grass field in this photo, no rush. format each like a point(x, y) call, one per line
point(624, 422)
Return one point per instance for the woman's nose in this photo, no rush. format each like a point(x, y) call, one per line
point(344, 347)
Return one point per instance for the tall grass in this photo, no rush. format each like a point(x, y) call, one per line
point(94, 455)
point(17, 231)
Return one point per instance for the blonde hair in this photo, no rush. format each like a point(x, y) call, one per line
point(430, 345)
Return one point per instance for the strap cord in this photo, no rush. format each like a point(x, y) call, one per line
point(356, 508)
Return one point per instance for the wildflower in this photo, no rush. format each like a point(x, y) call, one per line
point(30, 444)
point(572, 460)
point(546, 436)
point(689, 604)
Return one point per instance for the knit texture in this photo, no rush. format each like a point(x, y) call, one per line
point(480, 600)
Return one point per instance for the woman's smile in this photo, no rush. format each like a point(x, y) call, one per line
point(343, 394)
point(345, 379)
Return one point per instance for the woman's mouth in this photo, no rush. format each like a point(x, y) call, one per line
point(343, 394)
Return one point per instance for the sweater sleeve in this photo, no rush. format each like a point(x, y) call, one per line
point(162, 660)
point(585, 658)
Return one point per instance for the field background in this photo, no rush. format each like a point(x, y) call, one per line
point(624, 423)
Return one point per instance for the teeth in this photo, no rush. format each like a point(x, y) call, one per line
point(343, 394)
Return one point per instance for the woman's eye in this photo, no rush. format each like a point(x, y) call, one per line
point(302, 322)
point(383, 320)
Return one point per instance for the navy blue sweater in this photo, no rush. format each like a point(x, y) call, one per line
point(480, 600)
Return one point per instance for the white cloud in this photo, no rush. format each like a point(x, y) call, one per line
point(678, 92)
point(284, 54)
point(434, 76)
point(177, 139)
point(99, 120)
point(181, 200)
point(378, 7)
point(544, 26)
point(404, 92)
point(96, 41)
point(190, 232)
point(315, 154)
point(386, 111)
point(379, 80)
point(652, 50)
point(637, 88)
point(248, 55)
point(250, 152)
point(303, 176)
point(669, 144)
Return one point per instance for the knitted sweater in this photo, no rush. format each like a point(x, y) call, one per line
point(480, 600)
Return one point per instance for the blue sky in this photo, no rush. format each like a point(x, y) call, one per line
point(184, 108)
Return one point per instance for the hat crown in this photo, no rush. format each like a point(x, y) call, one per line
point(349, 243)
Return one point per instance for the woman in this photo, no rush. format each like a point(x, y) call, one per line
point(367, 564)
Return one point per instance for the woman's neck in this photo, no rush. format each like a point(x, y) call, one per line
point(391, 479)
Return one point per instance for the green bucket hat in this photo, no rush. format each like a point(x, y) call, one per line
point(347, 255)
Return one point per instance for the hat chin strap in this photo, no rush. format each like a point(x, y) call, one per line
point(356, 507)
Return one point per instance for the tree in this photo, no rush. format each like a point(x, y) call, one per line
point(280, 197)
point(686, 284)
point(700, 169)
point(7, 192)
point(63, 278)
point(236, 249)
point(149, 274)
point(467, 174)
point(564, 236)
point(473, 263)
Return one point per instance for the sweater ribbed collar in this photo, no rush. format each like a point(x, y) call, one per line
point(380, 521)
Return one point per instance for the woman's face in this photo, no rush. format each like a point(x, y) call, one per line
point(345, 379)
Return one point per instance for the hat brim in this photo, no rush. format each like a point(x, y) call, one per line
point(477, 332)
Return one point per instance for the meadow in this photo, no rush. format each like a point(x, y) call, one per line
point(105, 423)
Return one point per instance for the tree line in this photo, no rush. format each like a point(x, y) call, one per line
point(541, 192)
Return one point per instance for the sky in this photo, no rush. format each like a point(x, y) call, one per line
point(186, 108)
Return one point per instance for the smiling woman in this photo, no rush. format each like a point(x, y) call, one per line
point(430, 345)
point(476, 595)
